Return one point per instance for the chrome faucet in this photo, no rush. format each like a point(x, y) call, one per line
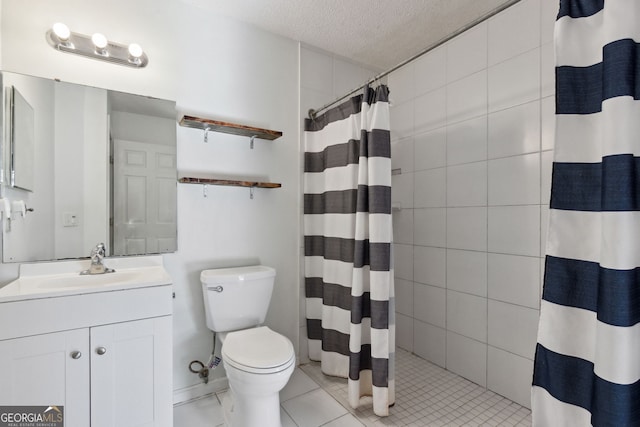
point(97, 266)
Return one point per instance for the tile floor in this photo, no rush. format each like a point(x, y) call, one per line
point(426, 396)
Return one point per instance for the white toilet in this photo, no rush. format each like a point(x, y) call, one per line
point(258, 361)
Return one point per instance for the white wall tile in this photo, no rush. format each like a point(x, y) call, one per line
point(467, 98)
point(544, 230)
point(472, 132)
point(467, 53)
point(515, 81)
point(403, 261)
point(429, 304)
point(513, 328)
point(546, 167)
point(547, 70)
point(401, 84)
point(467, 185)
point(548, 122)
point(515, 130)
point(316, 71)
point(514, 230)
point(514, 279)
point(429, 265)
point(401, 120)
point(548, 14)
point(429, 227)
point(467, 315)
point(429, 342)
point(515, 180)
point(514, 31)
point(430, 71)
point(404, 332)
point(467, 357)
point(430, 111)
point(430, 149)
point(402, 226)
point(467, 141)
point(467, 272)
point(402, 190)
point(404, 297)
point(402, 155)
point(467, 228)
point(429, 188)
point(510, 375)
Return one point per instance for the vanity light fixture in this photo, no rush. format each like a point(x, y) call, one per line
point(96, 46)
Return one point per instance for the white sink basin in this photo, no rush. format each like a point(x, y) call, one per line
point(56, 279)
point(67, 281)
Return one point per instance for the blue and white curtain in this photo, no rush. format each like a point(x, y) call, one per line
point(587, 364)
point(347, 238)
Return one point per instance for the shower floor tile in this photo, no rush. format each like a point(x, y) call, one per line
point(426, 396)
point(429, 396)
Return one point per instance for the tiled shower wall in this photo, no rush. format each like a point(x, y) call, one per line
point(472, 138)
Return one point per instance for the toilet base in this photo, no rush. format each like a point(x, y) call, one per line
point(254, 400)
point(262, 413)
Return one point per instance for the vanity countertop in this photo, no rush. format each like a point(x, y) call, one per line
point(62, 278)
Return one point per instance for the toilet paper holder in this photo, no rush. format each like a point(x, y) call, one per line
point(20, 207)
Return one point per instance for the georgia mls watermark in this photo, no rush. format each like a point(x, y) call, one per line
point(31, 416)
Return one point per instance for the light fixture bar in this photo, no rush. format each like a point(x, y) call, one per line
point(81, 44)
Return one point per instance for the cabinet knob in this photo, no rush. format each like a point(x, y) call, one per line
point(76, 354)
point(101, 350)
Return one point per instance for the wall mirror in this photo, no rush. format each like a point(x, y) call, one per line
point(103, 169)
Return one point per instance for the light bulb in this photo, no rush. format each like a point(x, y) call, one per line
point(99, 41)
point(61, 31)
point(135, 50)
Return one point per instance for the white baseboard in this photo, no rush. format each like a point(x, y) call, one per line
point(199, 390)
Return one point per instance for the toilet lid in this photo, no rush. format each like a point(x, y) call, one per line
point(258, 350)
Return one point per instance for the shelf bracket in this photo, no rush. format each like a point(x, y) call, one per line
point(205, 188)
point(251, 192)
point(253, 137)
point(206, 133)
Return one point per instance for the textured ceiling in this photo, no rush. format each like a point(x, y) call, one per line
point(378, 33)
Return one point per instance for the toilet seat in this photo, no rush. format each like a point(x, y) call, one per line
point(258, 350)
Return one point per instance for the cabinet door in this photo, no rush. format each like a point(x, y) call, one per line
point(131, 374)
point(50, 369)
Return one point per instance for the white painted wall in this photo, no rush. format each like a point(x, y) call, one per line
point(214, 67)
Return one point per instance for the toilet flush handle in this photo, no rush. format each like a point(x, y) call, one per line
point(217, 289)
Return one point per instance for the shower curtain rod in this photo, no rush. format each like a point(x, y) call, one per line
point(312, 113)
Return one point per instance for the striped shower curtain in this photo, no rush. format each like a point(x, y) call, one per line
point(587, 364)
point(347, 240)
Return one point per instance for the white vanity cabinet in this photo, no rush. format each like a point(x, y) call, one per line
point(131, 378)
point(106, 356)
point(49, 369)
point(111, 375)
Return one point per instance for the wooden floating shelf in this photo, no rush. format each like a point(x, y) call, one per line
point(228, 182)
point(231, 128)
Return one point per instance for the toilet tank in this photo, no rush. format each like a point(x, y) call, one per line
point(237, 298)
